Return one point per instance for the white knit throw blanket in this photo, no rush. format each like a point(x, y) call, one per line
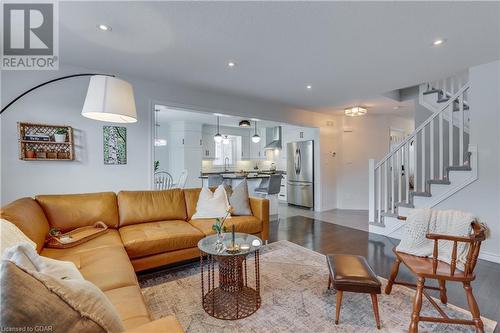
point(445, 222)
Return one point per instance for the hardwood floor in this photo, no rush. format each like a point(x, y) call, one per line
point(326, 237)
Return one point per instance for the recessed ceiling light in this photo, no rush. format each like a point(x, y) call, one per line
point(309, 87)
point(104, 27)
point(397, 107)
point(438, 42)
point(231, 64)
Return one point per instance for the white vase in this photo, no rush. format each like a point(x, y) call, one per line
point(60, 137)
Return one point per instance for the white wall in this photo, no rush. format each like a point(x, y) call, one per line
point(362, 138)
point(483, 196)
point(61, 103)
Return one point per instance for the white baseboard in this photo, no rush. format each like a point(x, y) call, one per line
point(489, 256)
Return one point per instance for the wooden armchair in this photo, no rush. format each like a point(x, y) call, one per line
point(432, 268)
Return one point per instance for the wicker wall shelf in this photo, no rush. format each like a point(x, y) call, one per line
point(35, 150)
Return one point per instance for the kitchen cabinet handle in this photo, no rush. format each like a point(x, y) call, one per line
point(201, 143)
point(182, 141)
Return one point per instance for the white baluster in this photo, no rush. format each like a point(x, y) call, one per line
point(440, 136)
point(407, 171)
point(450, 132)
point(415, 163)
point(386, 193)
point(371, 190)
point(400, 183)
point(422, 143)
point(392, 183)
point(379, 196)
point(461, 128)
point(431, 144)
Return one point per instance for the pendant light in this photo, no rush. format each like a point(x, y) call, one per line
point(225, 140)
point(255, 137)
point(217, 136)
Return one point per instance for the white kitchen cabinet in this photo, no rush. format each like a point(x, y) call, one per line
point(208, 145)
point(257, 151)
point(282, 194)
point(245, 147)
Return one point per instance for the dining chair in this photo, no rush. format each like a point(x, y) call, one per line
point(163, 180)
point(182, 179)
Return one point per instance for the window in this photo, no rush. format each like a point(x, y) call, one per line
point(225, 150)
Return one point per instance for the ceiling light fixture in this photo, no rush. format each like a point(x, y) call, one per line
point(231, 64)
point(256, 137)
point(355, 111)
point(104, 27)
point(217, 136)
point(438, 42)
point(244, 123)
point(225, 140)
point(309, 87)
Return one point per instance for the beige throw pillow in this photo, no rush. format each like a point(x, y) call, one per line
point(31, 298)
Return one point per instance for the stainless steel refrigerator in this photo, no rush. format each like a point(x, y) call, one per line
point(300, 173)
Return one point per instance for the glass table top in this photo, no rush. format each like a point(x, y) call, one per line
point(246, 242)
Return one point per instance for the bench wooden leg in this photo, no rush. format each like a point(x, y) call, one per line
point(329, 281)
point(337, 306)
point(417, 306)
point(375, 309)
point(392, 277)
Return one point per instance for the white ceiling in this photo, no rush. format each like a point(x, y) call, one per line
point(350, 52)
point(168, 114)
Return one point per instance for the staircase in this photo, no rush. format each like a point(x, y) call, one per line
point(430, 164)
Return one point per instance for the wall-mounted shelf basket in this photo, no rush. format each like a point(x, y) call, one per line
point(38, 142)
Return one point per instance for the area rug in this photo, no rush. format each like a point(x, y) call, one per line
point(294, 299)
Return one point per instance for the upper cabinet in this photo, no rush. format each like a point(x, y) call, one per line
point(257, 151)
point(208, 143)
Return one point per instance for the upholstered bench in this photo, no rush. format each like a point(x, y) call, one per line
point(353, 274)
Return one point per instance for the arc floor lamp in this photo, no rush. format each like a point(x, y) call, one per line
point(108, 98)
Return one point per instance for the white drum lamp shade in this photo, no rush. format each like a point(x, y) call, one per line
point(110, 99)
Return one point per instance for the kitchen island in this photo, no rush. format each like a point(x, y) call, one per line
point(254, 179)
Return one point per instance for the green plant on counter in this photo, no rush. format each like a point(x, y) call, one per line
point(157, 165)
point(61, 130)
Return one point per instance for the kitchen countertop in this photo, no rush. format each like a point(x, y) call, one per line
point(247, 171)
point(239, 177)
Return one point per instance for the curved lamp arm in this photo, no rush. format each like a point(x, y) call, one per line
point(51, 81)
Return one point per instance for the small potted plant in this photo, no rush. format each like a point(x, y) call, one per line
point(60, 134)
point(30, 153)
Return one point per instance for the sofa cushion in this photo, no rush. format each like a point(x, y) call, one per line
point(107, 267)
point(32, 299)
point(145, 239)
point(150, 206)
point(246, 224)
point(70, 211)
point(130, 305)
point(29, 217)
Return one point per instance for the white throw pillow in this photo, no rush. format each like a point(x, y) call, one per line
point(26, 257)
point(211, 205)
point(11, 235)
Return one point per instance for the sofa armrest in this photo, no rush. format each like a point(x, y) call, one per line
point(260, 209)
point(164, 325)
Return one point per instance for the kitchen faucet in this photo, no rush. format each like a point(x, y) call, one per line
point(226, 163)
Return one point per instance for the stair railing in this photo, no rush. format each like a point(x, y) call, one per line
point(422, 156)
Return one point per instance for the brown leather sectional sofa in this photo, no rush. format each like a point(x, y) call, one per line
point(147, 229)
